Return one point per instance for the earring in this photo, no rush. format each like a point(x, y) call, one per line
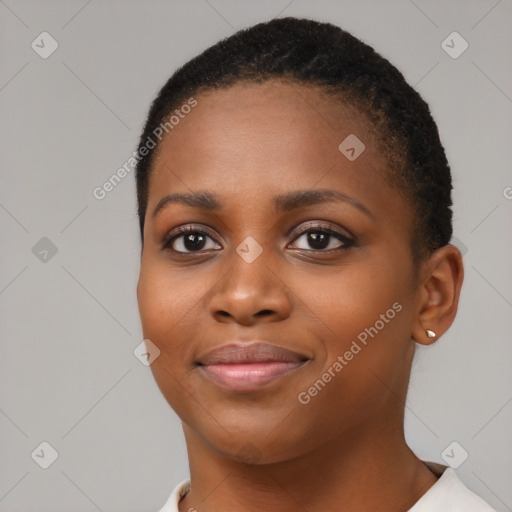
point(430, 334)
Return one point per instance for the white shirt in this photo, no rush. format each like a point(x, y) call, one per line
point(448, 494)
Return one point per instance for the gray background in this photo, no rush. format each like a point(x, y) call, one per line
point(69, 324)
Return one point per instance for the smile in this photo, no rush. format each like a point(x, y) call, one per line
point(248, 367)
point(248, 376)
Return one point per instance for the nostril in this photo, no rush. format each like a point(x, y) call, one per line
point(264, 312)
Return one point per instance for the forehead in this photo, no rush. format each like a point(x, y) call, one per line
point(250, 141)
point(275, 112)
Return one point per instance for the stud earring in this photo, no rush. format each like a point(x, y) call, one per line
point(430, 334)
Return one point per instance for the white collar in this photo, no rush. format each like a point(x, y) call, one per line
point(448, 494)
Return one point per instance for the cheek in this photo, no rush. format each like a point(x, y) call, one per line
point(366, 314)
point(161, 307)
point(171, 307)
point(164, 299)
point(152, 302)
point(350, 299)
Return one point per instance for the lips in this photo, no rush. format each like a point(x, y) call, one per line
point(249, 366)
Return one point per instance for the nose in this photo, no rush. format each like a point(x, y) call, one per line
point(250, 293)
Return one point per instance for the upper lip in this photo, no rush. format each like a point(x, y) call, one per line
point(246, 353)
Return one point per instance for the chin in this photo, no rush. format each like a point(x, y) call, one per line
point(250, 443)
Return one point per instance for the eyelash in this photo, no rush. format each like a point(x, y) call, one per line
point(346, 241)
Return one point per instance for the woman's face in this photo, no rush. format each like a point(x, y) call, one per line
point(329, 278)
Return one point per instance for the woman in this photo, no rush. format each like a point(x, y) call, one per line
point(295, 215)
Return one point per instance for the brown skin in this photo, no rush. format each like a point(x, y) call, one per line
point(264, 450)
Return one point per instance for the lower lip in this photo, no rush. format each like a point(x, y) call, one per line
point(248, 376)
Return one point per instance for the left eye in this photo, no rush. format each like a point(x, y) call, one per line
point(322, 240)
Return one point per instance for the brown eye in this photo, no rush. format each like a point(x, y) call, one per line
point(190, 239)
point(321, 238)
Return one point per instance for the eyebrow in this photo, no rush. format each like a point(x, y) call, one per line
point(207, 201)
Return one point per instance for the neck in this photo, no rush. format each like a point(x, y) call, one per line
point(369, 468)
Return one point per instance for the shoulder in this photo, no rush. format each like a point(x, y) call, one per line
point(449, 494)
point(171, 505)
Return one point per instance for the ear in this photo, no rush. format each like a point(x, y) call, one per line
point(438, 294)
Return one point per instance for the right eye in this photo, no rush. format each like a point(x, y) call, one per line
point(190, 239)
